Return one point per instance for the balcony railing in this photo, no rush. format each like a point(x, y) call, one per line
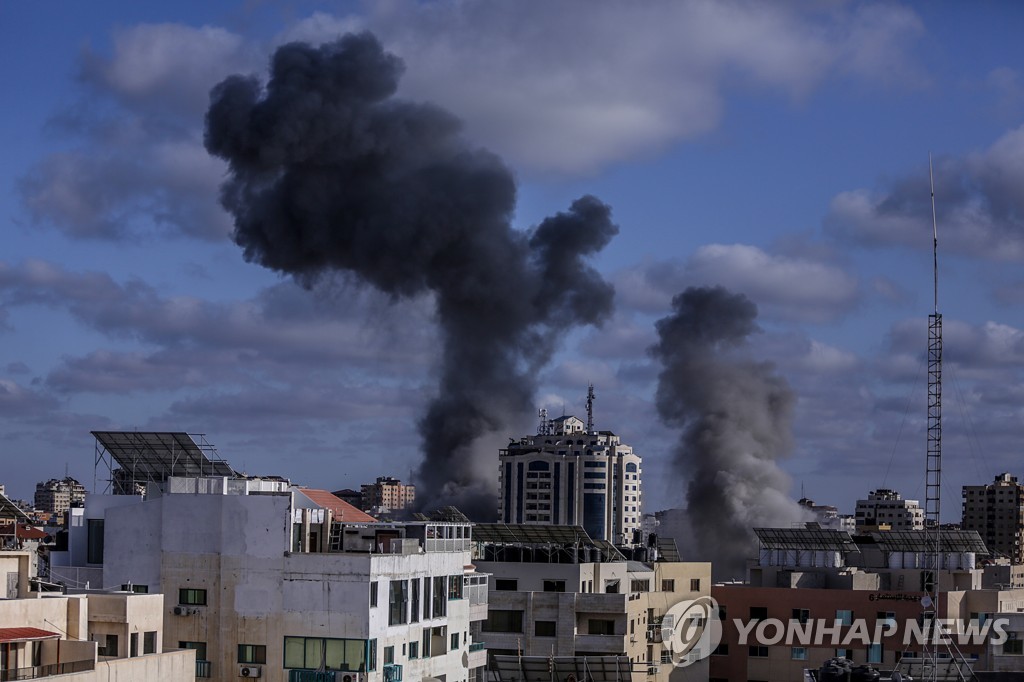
point(310, 676)
point(203, 668)
point(35, 672)
point(476, 646)
point(392, 672)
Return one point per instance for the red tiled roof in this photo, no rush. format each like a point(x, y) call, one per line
point(25, 634)
point(30, 533)
point(343, 511)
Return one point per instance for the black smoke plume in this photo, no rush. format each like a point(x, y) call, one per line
point(329, 172)
point(735, 415)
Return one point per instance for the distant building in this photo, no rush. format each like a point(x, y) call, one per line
point(56, 496)
point(353, 497)
point(996, 511)
point(387, 493)
point(828, 516)
point(566, 475)
point(886, 509)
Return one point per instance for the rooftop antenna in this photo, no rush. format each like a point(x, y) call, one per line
point(933, 465)
point(545, 425)
point(590, 409)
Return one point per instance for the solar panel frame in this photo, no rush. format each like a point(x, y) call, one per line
point(950, 540)
point(789, 539)
point(545, 668)
point(157, 455)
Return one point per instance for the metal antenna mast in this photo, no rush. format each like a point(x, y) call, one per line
point(933, 472)
point(590, 409)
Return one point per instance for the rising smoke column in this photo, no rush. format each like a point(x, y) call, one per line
point(329, 172)
point(735, 416)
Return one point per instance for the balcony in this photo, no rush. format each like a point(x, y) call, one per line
point(607, 645)
point(203, 668)
point(310, 676)
point(600, 602)
point(392, 672)
point(35, 672)
point(477, 646)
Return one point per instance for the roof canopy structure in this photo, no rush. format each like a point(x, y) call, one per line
point(955, 541)
point(667, 549)
point(806, 539)
point(152, 457)
point(563, 668)
point(9, 510)
point(559, 544)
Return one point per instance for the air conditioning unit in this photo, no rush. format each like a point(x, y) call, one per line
point(348, 677)
point(249, 670)
point(179, 611)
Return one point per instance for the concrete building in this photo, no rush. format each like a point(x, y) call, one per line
point(886, 509)
point(996, 511)
point(260, 577)
point(56, 496)
point(387, 493)
point(825, 576)
point(566, 475)
point(555, 592)
point(90, 637)
point(828, 516)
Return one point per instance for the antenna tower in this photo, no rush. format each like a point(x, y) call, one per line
point(590, 409)
point(933, 469)
point(545, 425)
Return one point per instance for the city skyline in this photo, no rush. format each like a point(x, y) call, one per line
point(779, 151)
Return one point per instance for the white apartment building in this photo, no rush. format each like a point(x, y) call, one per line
point(886, 507)
point(57, 495)
point(85, 637)
point(263, 581)
point(565, 475)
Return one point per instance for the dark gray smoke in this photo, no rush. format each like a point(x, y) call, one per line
point(330, 172)
point(735, 415)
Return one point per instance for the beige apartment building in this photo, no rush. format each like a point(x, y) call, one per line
point(996, 512)
point(56, 496)
point(387, 493)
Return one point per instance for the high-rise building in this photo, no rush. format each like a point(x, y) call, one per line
point(58, 495)
point(387, 493)
point(886, 508)
point(569, 475)
point(996, 511)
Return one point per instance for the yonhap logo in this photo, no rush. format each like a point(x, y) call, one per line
point(691, 630)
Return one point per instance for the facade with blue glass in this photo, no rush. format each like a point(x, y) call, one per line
point(565, 475)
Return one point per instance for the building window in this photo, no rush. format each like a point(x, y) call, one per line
point(398, 602)
point(758, 652)
point(721, 650)
point(414, 650)
point(758, 613)
point(600, 626)
point(1014, 646)
point(499, 620)
point(554, 586)
point(389, 655)
point(640, 586)
point(668, 585)
point(506, 585)
point(801, 615)
point(426, 642)
point(137, 589)
point(798, 653)
point(455, 587)
point(107, 645)
point(94, 540)
point(191, 597)
point(149, 642)
point(874, 653)
point(842, 653)
point(455, 641)
point(414, 615)
point(440, 609)
point(694, 584)
point(666, 657)
point(312, 653)
point(200, 649)
point(373, 593)
point(252, 653)
point(544, 628)
point(427, 600)
point(844, 616)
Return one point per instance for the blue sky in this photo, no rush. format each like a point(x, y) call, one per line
point(777, 149)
